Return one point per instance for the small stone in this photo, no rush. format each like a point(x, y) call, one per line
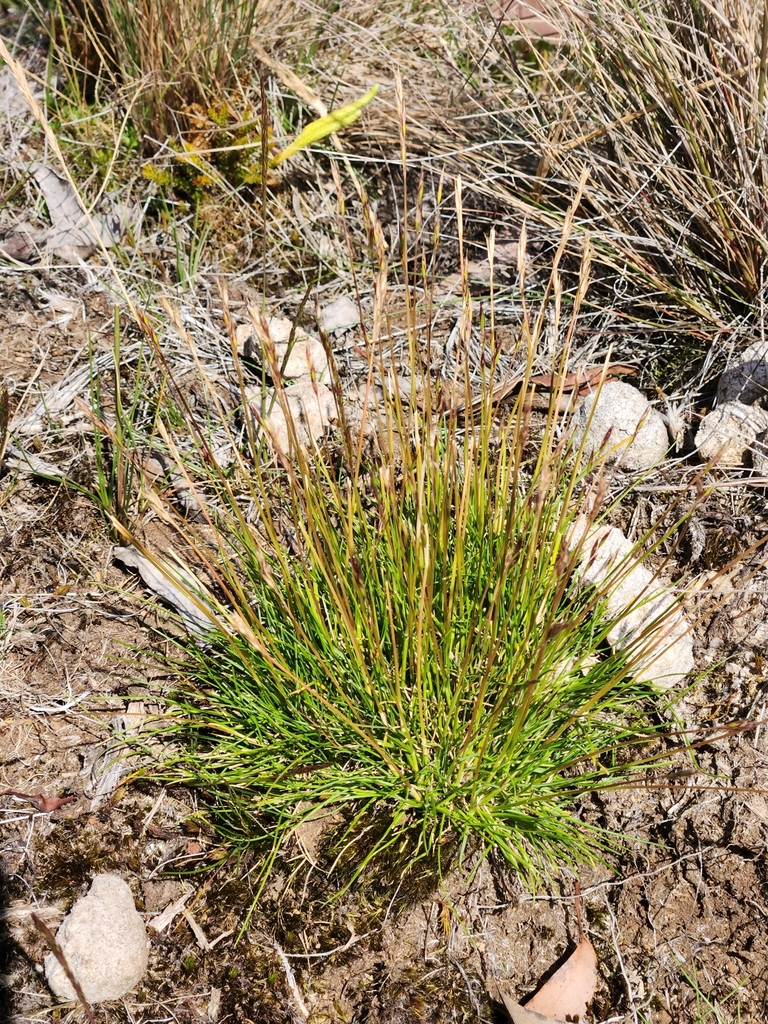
point(624, 428)
point(647, 612)
point(340, 315)
point(104, 941)
point(310, 406)
point(307, 356)
point(747, 380)
point(729, 431)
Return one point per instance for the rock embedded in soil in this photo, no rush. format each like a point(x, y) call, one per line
point(309, 405)
point(623, 426)
point(747, 380)
point(760, 454)
point(647, 612)
point(305, 357)
point(340, 315)
point(728, 432)
point(104, 941)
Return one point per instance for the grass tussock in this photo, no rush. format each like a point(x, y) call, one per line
point(172, 59)
point(400, 629)
point(663, 105)
point(400, 624)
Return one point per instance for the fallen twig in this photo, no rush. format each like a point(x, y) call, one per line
point(572, 385)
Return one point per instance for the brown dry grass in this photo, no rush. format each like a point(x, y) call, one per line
point(663, 107)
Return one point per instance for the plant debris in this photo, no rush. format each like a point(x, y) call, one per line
point(46, 804)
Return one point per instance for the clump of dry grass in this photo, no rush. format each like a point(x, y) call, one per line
point(178, 54)
point(211, 91)
point(662, 104)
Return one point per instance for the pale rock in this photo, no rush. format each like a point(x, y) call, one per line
point(340, 315)
point(310, 406)
point(307, 356)
point(747, 380)
point(245, 336)
point(105, 943)
point(647, 613)
point(624, 427)
point(729, 431)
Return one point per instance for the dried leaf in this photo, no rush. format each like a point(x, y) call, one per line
point(197, 931)
point(214, 1005)
point(64, 207)
point(13, 106)
point(160, 470)
point(178, 588)
point(71, 228)
point(56, 401)
point(161, 922)
point(46, 804)
point(565, 995)
point(51, 803)
point(22, 462)
point(570, 385)
point(520, 1015)
point(73, 233)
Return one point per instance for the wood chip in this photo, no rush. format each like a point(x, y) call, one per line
point(172, 911)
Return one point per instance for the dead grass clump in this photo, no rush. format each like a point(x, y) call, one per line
point(178, 54)
point(663, 106)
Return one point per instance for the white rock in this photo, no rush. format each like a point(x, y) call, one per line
point(624, 427)
point(340, 315)
point(310, 406)
point(747, 380)
point(306, 357)
point(760, 454)
point(648, 614)
point(104, 941)
point(726, 433)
